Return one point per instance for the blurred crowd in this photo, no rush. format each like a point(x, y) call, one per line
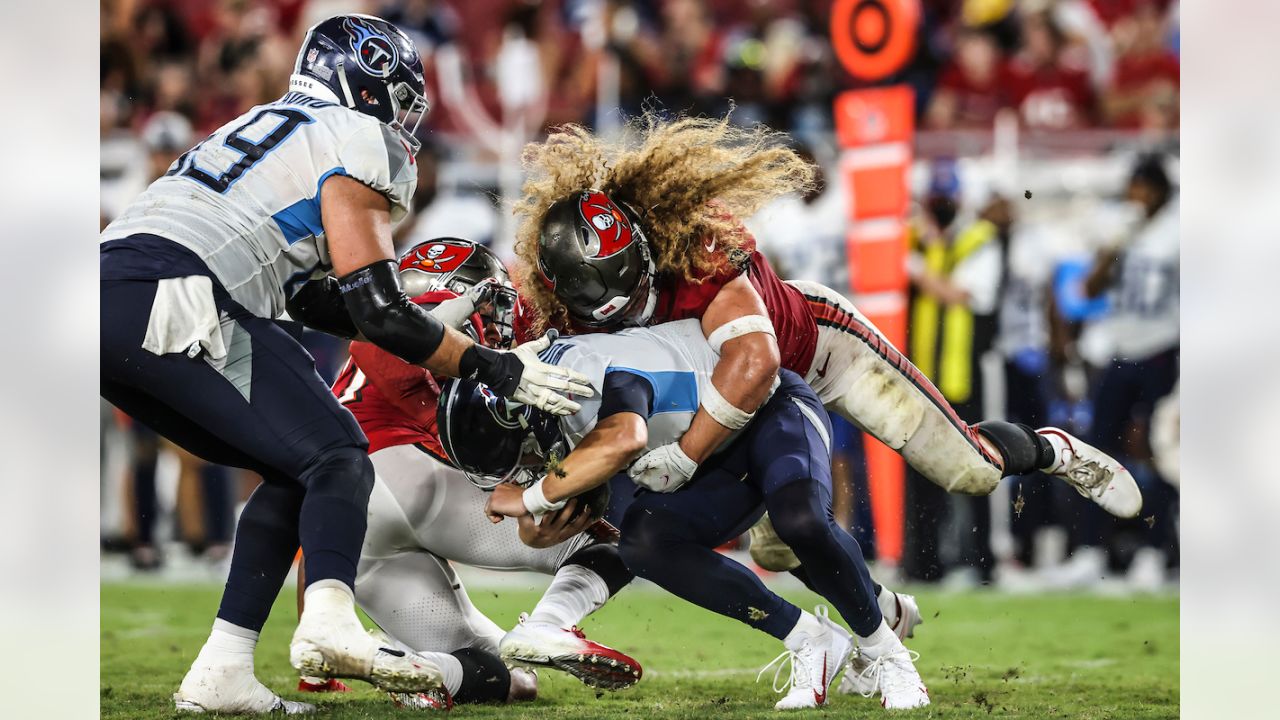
point(1061, 64)
point(1079, 331)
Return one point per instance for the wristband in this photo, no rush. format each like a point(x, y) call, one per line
point(499, 370)
point(537, 503)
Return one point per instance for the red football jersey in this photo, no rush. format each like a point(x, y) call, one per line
point(394, 401)
point(1056, 97)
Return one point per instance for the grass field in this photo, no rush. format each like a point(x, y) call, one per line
point(982, 655)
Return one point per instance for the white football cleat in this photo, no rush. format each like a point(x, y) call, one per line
point(889, 670)
point(1093, 473)
point(330, 642)
point(816, 658)
point(541, 644)
point(232, 689)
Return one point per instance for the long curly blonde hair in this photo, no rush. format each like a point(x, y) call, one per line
point(690, 179)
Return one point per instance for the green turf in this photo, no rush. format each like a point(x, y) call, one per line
point(982, 654)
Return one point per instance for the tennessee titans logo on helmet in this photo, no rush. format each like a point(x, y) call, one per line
point(375, 52)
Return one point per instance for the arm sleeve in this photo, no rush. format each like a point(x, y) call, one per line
point(626, 392)
point(376, 156)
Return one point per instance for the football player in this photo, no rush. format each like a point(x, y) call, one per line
point(290, 205)
point(424, 514)
point(652, 381)
point(614, 236)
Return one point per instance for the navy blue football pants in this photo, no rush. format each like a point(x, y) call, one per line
point(781, 463)
point(267, 411)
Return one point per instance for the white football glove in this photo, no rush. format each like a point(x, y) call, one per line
point(547, 386)
point(664, 469)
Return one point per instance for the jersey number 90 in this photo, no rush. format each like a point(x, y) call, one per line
point(250, 151)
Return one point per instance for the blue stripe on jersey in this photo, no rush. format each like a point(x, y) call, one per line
point(302, 219)
point(674, 391)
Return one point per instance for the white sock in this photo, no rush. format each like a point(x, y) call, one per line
point(888, 603)
point(1061, 450)
point(328, 596)
point(229, 643)
point(575, 593)
point(449, 667)
point(806, 627)
point(878, 638)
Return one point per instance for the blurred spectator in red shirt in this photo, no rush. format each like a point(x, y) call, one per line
point(968, 93)
point(1144, 89)
point(1047, 80)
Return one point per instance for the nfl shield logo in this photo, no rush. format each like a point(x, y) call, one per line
point(311, 56)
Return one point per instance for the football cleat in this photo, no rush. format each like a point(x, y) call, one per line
point(814, 662)
point(437, 700)
point(1093, 474)
point(230, 689)
point(330, 642)
point(540, 644)
point(891, 672)
point(322, 685)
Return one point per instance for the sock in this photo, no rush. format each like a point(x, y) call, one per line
point(807, 626)
point(229, 644)
point(328, 594)
point(1056, 448)
point(449, 667)
point(888, 602)
point(878, 638)
point(575, 593)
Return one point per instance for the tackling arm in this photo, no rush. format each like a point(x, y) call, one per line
point(357, 222)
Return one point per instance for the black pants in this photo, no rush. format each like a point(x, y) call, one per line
point(268, 411)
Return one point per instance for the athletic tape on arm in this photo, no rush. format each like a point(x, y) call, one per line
point(738, 327)
point(722, 411)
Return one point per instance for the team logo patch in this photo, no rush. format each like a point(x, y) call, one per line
point(375, 52)
point(440, 256)
point(612, 231)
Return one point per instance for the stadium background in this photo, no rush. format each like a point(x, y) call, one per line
point(1032, 113)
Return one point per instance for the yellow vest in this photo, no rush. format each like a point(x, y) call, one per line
point(951, 369)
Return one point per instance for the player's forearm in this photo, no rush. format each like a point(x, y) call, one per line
point(743, 377)
point(606, 451)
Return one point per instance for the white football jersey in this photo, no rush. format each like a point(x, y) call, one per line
point(674, 357)
point(247, 198)
point(1145, 303)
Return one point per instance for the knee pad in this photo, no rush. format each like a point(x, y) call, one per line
point(1021, 447)
point(485, 678)
point(343, 472)
point(604, 560)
